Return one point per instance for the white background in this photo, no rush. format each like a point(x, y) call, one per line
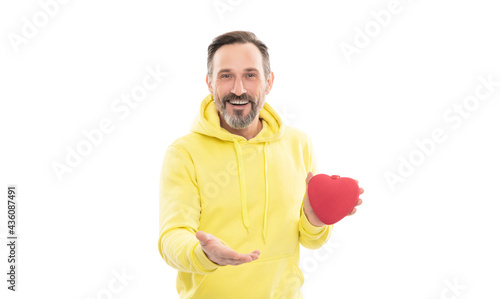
point(437, 228)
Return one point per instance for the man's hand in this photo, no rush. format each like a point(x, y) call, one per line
point(311, 216)
point(221, 254)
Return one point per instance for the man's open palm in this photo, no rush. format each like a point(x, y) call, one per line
point(222, 254)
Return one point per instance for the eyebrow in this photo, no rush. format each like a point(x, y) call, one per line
point(250, 69)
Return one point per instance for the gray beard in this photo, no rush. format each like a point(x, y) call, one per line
point(237, 121)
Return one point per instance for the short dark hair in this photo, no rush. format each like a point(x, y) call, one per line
point(237, 37)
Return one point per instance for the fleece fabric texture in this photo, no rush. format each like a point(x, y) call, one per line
point(247, 193)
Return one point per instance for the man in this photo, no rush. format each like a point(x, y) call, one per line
point(233, 200)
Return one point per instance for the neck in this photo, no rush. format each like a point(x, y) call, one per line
point(248, 133)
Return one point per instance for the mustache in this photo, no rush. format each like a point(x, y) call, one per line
point(242, 97)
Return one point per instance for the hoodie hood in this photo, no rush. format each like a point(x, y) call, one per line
point(208, 123)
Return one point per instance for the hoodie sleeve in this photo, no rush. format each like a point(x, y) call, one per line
point(180, 214)
point(310, 236)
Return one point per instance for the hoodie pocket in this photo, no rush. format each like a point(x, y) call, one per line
point(263, 279)
point(291, 282)
point(297, 270)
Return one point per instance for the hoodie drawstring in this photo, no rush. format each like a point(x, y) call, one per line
point(243, 191)
point(264, 230)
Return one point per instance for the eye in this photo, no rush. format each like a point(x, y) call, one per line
point(224, 76)
point(251, 75)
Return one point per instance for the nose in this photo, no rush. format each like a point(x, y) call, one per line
point(238, 88)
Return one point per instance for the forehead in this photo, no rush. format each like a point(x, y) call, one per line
point(237, 57)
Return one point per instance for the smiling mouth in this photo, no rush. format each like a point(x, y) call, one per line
point(239, 102)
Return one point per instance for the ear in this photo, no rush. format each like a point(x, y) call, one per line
point(270, 81)
point(209, 84)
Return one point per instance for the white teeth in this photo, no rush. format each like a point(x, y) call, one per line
point(239, 102)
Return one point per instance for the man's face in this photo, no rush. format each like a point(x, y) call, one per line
point(238, 84)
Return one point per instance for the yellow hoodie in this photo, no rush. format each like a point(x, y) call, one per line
point(247, 193)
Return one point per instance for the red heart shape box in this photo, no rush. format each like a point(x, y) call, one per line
point(332, 198)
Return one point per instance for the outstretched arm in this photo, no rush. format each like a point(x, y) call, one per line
point(180, 209)
point(180, 243)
